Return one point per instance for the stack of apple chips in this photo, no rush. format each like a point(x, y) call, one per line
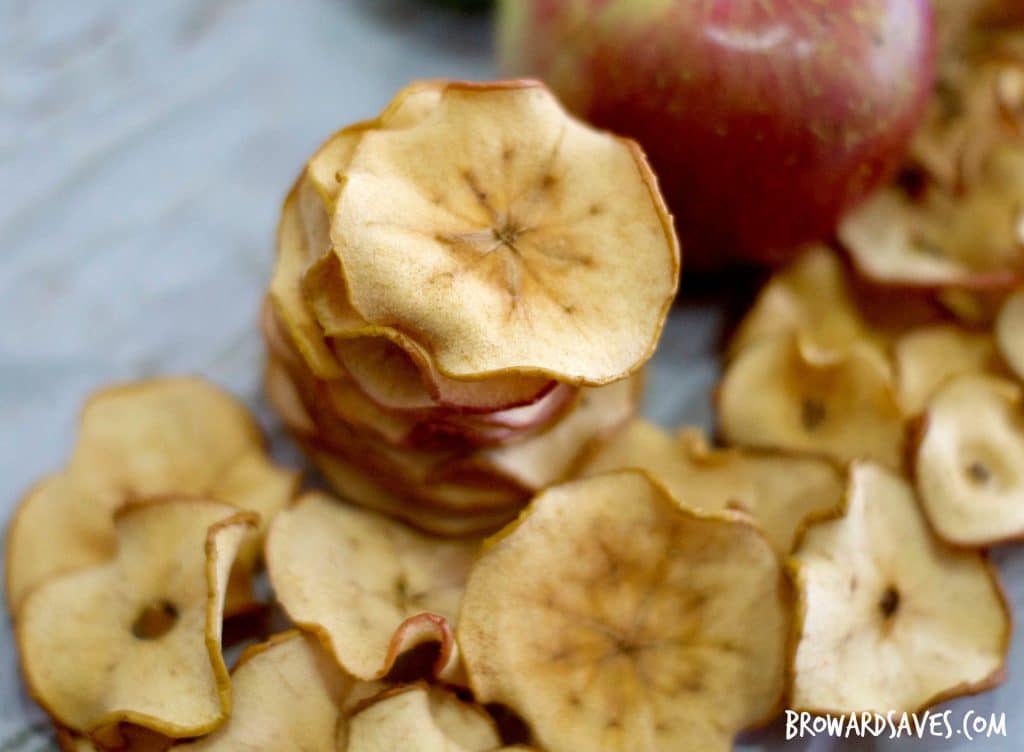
point(466, 290)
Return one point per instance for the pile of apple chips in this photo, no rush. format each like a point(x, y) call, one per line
point(466, 289)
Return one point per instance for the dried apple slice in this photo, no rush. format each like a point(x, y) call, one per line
point(358, 486)
point(777, 492)
point(609, 617)
point(927, 358)
point(1009, 333)
point(151, 438)
point(418, 718)
point(969, 461)
point(398, 587)
point(92, 641)
point(877, 589)
point(492, 229)
point(971, 241)
point(811, 297)
point(287, 696)
point(782, 394)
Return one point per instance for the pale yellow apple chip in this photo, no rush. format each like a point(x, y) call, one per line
point(171, 436)
point(927, 358)
point(418, 718)
point(489, 234)
point(890, 618)
point(777, 492)
point(609, 617)
point(781, 394)
point(945, 239)
point(358, 486)
point(1010, 333)
point(137, 639)
point(369, 587)
point(969, 461)
point(287, 695)
point(810, 297)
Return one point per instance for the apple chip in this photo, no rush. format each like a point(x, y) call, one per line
point(369, 587)
point(172, 436)
point(777, 492)
point(361, 488)
point(927, 358)
point(969, 461)
point(942, 239)
point(782, 394)
point(92, 641)
point(287, 695)
point(810, 297)
point(418, 718)
point(889, 618)
point(492, 233)
point(609, 617)
point(1010, 333)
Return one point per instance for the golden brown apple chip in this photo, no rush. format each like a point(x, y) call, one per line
point(492, 232)
point(287, 694)
point(888, 617)
point(361, 488)
point(419, 718)
point(777, 492)
point(369, 587)
point(133, 738)
point(137, 639)
point(973, 240)
point(969, 462)
point(170, 436)
point(927, 358)
point(782, 394)
point(810, 297)
point(609, 617)
point(1010, 333)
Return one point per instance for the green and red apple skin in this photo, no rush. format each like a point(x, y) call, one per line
point(766, 120)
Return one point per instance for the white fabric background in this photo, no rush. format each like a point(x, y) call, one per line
point(144, 150)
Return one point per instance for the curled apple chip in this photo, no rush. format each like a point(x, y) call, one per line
point(369, 587)
point(811, 297)
point(777, 492)
point(171, 436)
point(360, 487)
point(93, 641)
point(969, 461)
point(287, 695)
point(492, 233)
point(419, 718)
point(876, 589)
point(927, 358)
point(941, 239)
point(784, 395)
point(1009, 331)
point(609, 617)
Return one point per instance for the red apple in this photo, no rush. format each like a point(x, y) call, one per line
point(766, 120)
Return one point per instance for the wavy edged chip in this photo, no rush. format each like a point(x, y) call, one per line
point(890, 618)
point(419, 718)
point(92, 641)
point(970, 241)
point(785, 395)
point(810, 296)
point(399, 588)
point(611, 618)
point(1009, 331)
point(287, 696)
point(488, 227)
point(170, 436)
point(777, 492)
point(927, 358)
point(969, 461)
